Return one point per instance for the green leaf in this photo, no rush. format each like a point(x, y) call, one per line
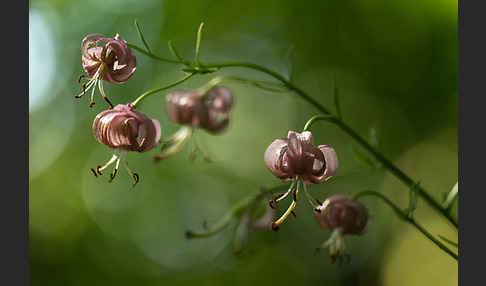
point(140, 35)
point(174, 51)
point(198, 43)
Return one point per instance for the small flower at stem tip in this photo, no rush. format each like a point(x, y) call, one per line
point(113, 62)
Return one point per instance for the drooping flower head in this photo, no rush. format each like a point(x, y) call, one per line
point(112, 61)
point(295, 156)
point(296, 159)
point(195, 110)
point(125, 129)
point(344, 217)
point(338, 211)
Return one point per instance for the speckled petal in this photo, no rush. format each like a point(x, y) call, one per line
point(274, 159)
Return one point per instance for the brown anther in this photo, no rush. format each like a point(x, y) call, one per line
point(293, 213)
point(112, 175)
point(270, 203)
point(91, 103)
point(80, 77)
point(98, 170)
point(94, 173)
point(136, 178)
point(274, 226)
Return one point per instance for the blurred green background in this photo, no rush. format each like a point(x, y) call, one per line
point(395, 64)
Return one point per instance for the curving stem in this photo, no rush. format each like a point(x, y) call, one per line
point(404, 178)
point(405, 217)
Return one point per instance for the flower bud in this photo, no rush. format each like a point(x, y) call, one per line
point(186, 108)
point(114, 61)
point(127, 129)
point(295, 156)
point(210, 112)
point(338, 211)
point(219, 102)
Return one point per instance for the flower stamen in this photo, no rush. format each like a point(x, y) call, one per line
point(134, 175)
point(282, 196)
point(275, 225)
point(102, 92)
point(101, 168)
point(115, 170)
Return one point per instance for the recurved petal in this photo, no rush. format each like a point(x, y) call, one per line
point(124, 62)
point(117, 73)
point(295, 147)
point(92, 62)
point(100, 124)
point(331, 158)
point(89, 41)
point(122, 132)
point(330, 165)
point(274, 158)
point(149, 133)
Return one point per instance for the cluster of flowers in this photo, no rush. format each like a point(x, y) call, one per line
point(294, 159)
point(122, 127)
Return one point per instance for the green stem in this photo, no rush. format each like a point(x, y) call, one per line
point(150, 92)
point(404, 178)
point(256, 83)
point(149, 54)
point(314, 118)
point(235, 211)
point(403, 216)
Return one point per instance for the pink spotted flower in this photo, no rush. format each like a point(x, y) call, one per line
point(124, 129)
point(342, 216)
point(105, 59)
point(296, 159)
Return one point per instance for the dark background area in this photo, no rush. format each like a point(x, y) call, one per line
point(395, 64)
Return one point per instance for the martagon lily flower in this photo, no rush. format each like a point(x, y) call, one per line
point(124, 129)
point(113, 62)
point(344, 217)
point(193, 110)
point(295, 159)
